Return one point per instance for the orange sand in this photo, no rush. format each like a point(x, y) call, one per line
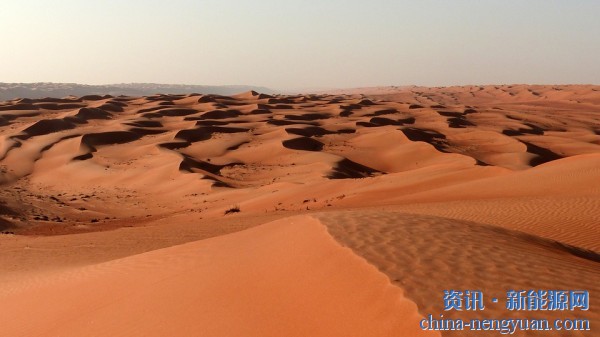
point(118, 213)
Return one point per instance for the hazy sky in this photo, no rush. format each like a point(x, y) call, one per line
point(300, 44)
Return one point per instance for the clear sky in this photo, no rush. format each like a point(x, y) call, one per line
point(289, 44)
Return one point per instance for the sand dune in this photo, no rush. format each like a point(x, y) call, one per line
point(426, 255)
point(303, 140)
point(267, 281)
point(155, 185)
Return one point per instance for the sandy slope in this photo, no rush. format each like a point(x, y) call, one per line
point(426, 255)
point(287, 278)
point(559, 200)
point(503, 181)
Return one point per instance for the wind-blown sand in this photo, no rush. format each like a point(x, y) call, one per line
point(135, 213)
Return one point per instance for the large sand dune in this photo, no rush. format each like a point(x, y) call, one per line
point(498, 178)
point(287, 278)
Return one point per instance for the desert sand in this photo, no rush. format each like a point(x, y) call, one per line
point(344, 213)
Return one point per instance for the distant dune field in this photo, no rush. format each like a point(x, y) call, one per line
point(344, 213)
point(42, 90)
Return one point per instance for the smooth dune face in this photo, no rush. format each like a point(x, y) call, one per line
point(287, 278)
point(135, 213)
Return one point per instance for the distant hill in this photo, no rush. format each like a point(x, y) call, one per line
point(40, 90)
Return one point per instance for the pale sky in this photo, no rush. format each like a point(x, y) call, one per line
point(301, 44)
